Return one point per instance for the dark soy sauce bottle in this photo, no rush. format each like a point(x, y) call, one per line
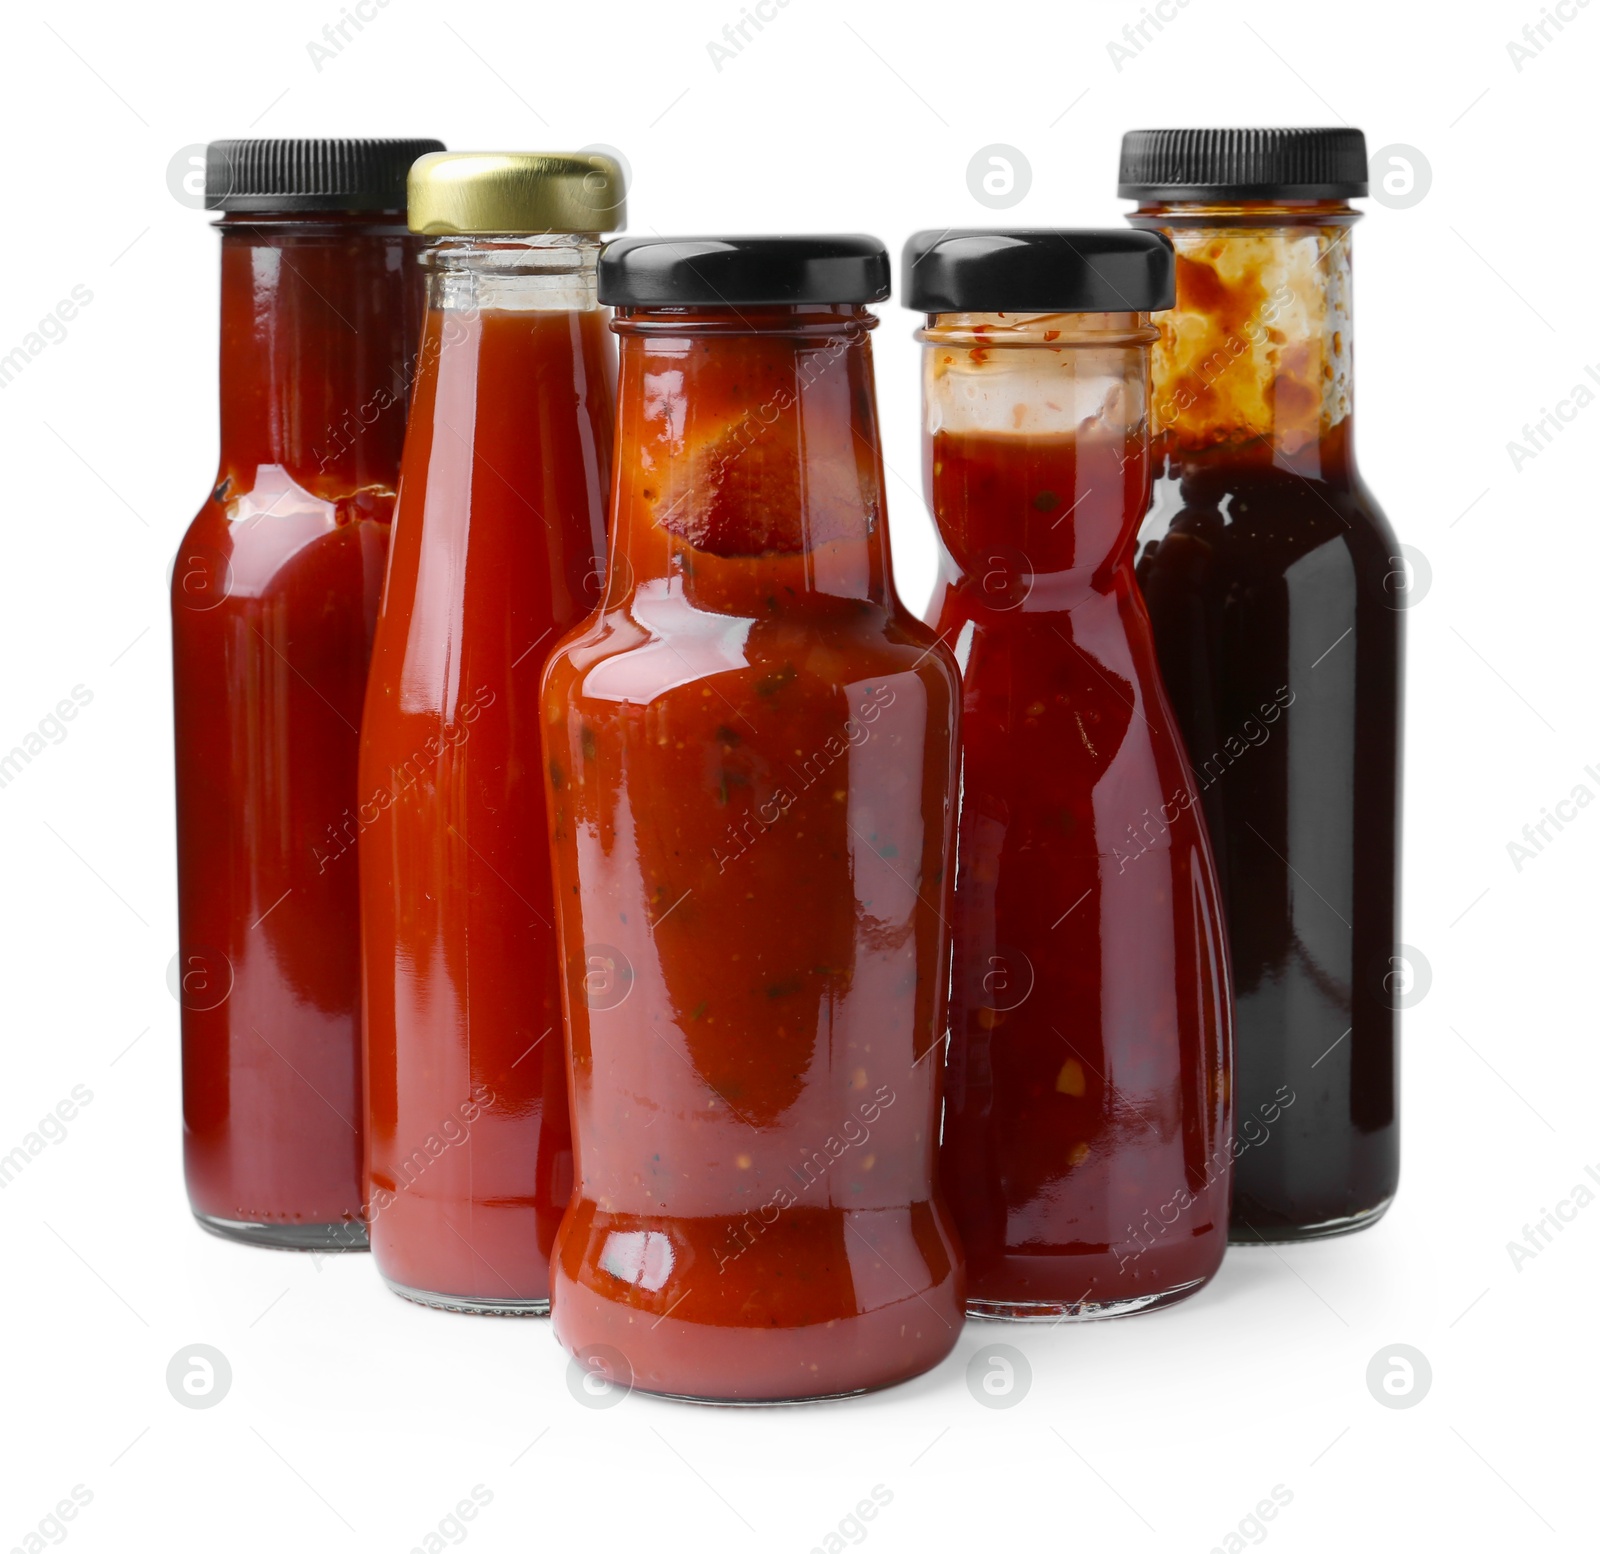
point(1276, 589)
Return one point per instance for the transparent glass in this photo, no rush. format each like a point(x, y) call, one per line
point(1277, 592)
point(750, 753)
point(1086, 1133)
point(274, 593)
point(499, 548)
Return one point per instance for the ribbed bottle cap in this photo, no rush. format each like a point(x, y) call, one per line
point(1243, 164)
point(296, 175)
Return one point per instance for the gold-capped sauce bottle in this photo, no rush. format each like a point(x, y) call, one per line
point(498, 548)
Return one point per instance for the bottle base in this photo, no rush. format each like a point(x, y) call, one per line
point(1243, 1232)
point(883, 1305)
point(342, 1236)
point(709, 1402)
point(1054, 1311)
point(470, 1305)
point(757, 1367)
point(747, 1374)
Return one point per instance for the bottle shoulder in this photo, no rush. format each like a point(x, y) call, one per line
point(244, 497)
point(1263, 521)
point(261, 535)
point(641, 650)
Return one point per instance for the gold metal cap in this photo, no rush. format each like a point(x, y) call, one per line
point(466, 193)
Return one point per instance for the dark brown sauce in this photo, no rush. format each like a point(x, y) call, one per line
point(1267, 592)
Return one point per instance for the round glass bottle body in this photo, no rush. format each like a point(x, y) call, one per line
point(1276, 591)
point(499, 547)
point(274, 595)
point(750, 752)
point(1085, 1148)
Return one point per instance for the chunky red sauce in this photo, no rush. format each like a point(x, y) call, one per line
point(750, 764)
point(499, 543)
point(1086, 1128)
point(274, 592)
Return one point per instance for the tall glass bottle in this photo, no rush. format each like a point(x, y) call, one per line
point(1086, 1136)
point(750, 758)
point(274, 591)
point(1275, 585)
point(499, 547)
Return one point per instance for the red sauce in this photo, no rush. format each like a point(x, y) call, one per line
point(1085, 1147)
point(274, 592)
point(498, 544)
point(750, 764)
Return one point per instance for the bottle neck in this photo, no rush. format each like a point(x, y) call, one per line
point(512, 420)
point(551, 272)
point(1036, 453)
point(510, 317)
point(1256, 361)
point(320, 322)
point(749, 475)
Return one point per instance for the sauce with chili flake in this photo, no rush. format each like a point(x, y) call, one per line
point(750, 757)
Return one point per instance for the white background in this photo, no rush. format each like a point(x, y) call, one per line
point(356, 1421)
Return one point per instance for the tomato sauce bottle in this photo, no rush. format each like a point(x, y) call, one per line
point(498, 548)
point(274, 591)
point(750, 753)
point(1270, 573)
point(1086, 1140)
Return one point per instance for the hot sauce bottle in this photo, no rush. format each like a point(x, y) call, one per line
point(1086, 1141)
point(499, 548)
point(750, 758)
point(1274, 583)
point(274, 592)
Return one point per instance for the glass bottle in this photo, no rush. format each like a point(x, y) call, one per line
point(498, 548)
point(750, 756)
point(274, 590)
point(1086, 1140)
point(1275, 585)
